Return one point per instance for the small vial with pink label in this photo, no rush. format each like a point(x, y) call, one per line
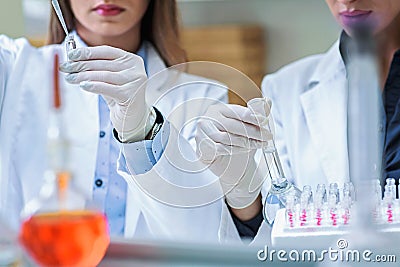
point(291, 211)
point(376, 200)
point(345, 207)
point(333, 212)
point(388, 206)
point(319, 211)
point(304, 208)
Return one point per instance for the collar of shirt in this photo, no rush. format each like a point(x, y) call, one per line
point(344, 47)
point(345, 52)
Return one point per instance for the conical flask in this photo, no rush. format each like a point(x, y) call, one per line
point(57, 229)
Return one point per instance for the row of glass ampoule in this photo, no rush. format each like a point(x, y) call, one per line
point(332, 207)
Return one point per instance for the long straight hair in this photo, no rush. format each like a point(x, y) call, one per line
point(160, 26)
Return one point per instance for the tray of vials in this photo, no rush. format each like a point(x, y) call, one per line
point(318, 220)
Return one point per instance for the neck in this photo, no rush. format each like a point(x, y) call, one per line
point(388, 44)
point(128, 41)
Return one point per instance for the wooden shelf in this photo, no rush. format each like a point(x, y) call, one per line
point(241, 47)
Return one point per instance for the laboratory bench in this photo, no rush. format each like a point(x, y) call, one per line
point(133, 253)
point(124, 253)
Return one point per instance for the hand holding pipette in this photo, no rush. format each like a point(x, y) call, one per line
point(120, 77)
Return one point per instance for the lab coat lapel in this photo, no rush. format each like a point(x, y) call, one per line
point(155, 63)
point(155, 68)
point(12, 191)
point(82, 116)
point(325, 110)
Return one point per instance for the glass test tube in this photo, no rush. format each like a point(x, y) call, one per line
point(70, 44)
point(280, 186)
point(291, 210)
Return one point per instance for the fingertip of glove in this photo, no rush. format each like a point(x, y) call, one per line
point(86, 85)
point(74, 54)
point(71, 77)
point(255, 144)
point(260, 119)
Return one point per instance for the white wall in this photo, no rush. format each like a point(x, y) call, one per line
point(37, 16)
point(294, 28)
point(11, 18)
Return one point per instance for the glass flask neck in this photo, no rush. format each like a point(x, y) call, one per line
point(282, 187)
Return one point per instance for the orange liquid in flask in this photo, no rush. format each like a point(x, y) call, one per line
point(76, 238)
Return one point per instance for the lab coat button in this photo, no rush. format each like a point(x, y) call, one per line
point(102, 134)
point(99, 182)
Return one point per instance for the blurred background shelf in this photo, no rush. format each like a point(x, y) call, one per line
point(239, 46)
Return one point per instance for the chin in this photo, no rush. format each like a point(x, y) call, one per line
point(110, 31)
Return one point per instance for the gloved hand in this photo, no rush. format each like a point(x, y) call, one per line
point(120, 77)
point(227, 138)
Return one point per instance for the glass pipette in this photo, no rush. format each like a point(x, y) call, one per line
point(70, 43)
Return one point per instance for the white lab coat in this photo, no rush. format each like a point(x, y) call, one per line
point(309, 110)
point(310, 115)
point(25, 84)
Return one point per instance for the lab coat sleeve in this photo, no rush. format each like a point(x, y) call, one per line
point(263, 236)
point(213, 94)
point(185, 100)
point(179, 198)
point(9, 189)
point(187, 109)
point(8, 50)
point(3, 77)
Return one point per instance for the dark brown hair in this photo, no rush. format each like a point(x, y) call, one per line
point(160, 26)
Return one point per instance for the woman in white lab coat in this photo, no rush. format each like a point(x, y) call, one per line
point(309, 103)
point(146, 28)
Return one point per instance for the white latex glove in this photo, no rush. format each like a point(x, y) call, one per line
point(227, 138)
point(120, 77)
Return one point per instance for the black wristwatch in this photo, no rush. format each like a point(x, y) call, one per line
point(154, 130)
point(157, 125)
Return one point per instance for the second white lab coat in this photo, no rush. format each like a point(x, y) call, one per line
point(310, 115)
point(309, 107)
point(25, 86)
